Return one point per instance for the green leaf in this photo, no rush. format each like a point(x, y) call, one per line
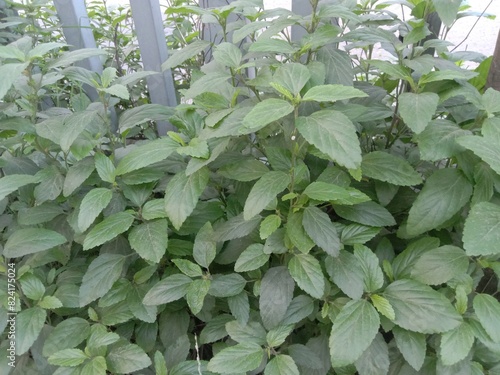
point(240, 307)
point(414, 303)
point(29, 323)
point(383, 306)
point(265, 112)
point(227, 54)
point(10, 73)
point(108, 229)
point(318, 226)
point(182, 194)
point(196, 293)
point(253, 332)
point(67, 334)
point(100, 277)
point(11, 183)
point(417, 110)
point(204, 249)
point(277, 336)
point(447, 10)
point(338, 65)
point(487, 310)
point(227, 285)
point(300, 308)
point(373, 276)
point(150, 239)
point(389, 168)
point(167, 290)
point(215, 329)
point(357, 233)
point(32, 286)
point(282, 364)
point(404, 262)
point(332, 93)
point(188, 268)
point(142, 114)
point(244, 170)
point(154, 209)
point(183, 54)
point(412, 345)
point(12, 52)
point(296, 232)
point(96, 366)
point(292, 76)
point(264, 191)
point(440, 265)
point(236, 227)
point(438, 142)
point(126, 359)
point(353, 330)
point(375, 359)
point(346, 272)
point(276, 293)
point(334, 134)
point(366, 213)
point(31, 240)
point(74, 125)
point(445, 192)
point(272, 45)
point(207, 83)
point(159, 363)
point(68, 358)
point(269, 225)
point(252, 258)
point(456, 344)
point(491, 100)
point(486, 147)
point(50, 302)
point(105, 168)
point(146, 154)
point(323, 191)
point(305, 357)
point(395, 71)
point(481, 234)
point(92, 205)
point(118, 90)
point(306, 271)
point(77, 174)
point(239, 359)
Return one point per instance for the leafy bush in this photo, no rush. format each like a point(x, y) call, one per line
point(318, 211)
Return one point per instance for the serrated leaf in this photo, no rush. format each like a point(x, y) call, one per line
point(244, 170)
point(207, 83)
point(269, 225)
point(332, 93)
point(77, 174)
point(264, 191)
point(196, 293)
point(11, 183)
point(383, 306)
point(252, 258)
point(227, 285)
point(447, 10)
point(146, 154)
point(323, 191)
point(96, 366)
point(104, 167)
point(100, 277)
point(296, 232)
point(154, 209)
point(404, 262)
point(353, 330)
point(306, 271)
point(215, 329)
point(196, 149)
point(118, 90)
point(375, 359)
point(456, 344)
point(487, 310)
point(481, 234)
point(440, 265)
point(358, 234)
point(92, 205)
point(417, 110)
point(50, 302)
point(182, 194)
point(253, 332)
point(276, 293)
point(67, 334)
point(265, 112)
point(127, 358)
point(68, 358)
point(240, 307)
point(334, 134)
point(338, 65)
point(300, 308)
point(188, 268)
point(346, 272)
point(108, 229)
point(29, 324)
point(414, 303)
point(74, 125)
point(32, 286)
point(10, 73)
point(412, 345)
point(272, 45)
point(389, 168)
point(31, 240)
point(318, 226)
point(183, 54)
point(228, 55)
point(366, 213)
point(373, 276)
point(204, 249)
point(237, 359)
point(282, 364)
point(150, 239)
point(167, 290)
point(445, 192)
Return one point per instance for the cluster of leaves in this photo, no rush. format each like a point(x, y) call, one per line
point(317, 212)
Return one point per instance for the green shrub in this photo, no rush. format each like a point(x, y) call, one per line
point(317, 212)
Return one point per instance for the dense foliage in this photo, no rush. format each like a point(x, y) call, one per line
point(318, 211)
